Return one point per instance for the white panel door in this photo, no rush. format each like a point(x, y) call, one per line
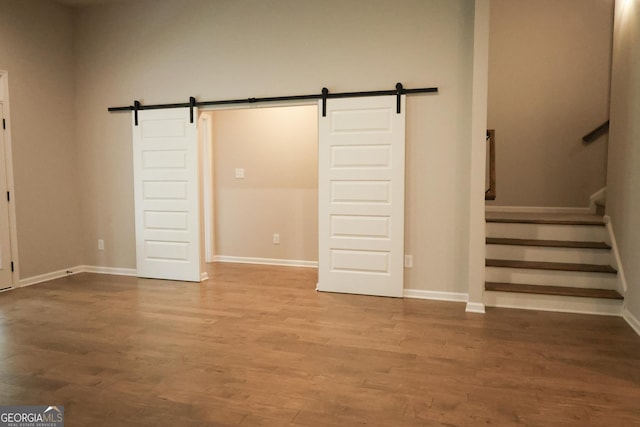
point(5, 242)
point(361, 196)
point(167, 191)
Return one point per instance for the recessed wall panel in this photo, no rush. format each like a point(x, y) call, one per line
point(361, 121)
point(176, 251)
point(360, 261)
point(360, 191)
point(356, 226)
point(170, 159)
point(361, 156)
point(166, 220)
point(166, 190)
point(163, 128)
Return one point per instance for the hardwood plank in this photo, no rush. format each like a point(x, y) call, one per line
point(544, 265)
point(546, 243)
point(552, 290)
point(257, 345)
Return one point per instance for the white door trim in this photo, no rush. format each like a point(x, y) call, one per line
point(258, 105)
point(13, 230)
point(206, 166)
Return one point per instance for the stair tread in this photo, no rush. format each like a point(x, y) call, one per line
point(546, 221)
point(544, 265)
point(547, 243)
point(541, 218)
point(553, 290)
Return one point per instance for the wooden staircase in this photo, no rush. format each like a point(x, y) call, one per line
point(550, 262)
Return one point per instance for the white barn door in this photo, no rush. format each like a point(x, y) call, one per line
point(167, 192)
point(361, 156)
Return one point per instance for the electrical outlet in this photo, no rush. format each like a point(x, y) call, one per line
point(239, 173)
point(100, 245)
point(276, 239)
point(408, 261)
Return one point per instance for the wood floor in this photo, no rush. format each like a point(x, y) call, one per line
point(256, 345)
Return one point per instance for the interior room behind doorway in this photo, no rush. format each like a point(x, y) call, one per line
point(265, 189)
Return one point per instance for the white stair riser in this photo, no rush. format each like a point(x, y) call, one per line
point(553, 303)
point(575, 279)
point(580, 233)
point(538, 253)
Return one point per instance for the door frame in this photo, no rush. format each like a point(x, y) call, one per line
point(205, 153)
point(8, 162)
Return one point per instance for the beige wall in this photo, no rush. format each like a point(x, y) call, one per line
point(623, 180)
point(549, 66)
point(36, 50)
point(166, 51)
point(278, 150)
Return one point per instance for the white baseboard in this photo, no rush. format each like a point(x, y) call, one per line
point(631, 320)
point(435, 295)
point(49, 276)
point(85, 269)
point(266, 261)
point(538, 209)
point(123, 271)
point(475, 307)
point(108, 270)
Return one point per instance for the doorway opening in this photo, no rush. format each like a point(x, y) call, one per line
point(260, 185)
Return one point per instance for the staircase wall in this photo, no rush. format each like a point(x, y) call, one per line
point(548, 86)
point(623, 181)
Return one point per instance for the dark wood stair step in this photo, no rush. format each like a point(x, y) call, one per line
point(552, 290)
point(545, 218)
point(552, 221)
point(547, 243)
point(544, 265)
